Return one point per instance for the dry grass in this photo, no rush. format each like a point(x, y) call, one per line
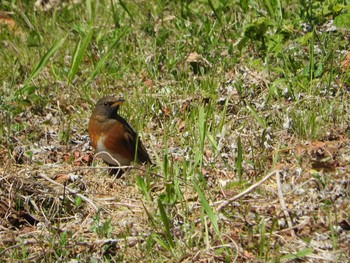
point(249, 134)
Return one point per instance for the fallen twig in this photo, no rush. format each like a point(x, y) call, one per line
point(123, 167)
point(299, 226)
point(283, 203)
point(19, 244)
point(249, 189)
point(130, 240)
point(70, 191)
point(195, 257)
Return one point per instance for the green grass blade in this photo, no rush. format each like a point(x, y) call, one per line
point(210, 213)
point(161, 242)
point(166, 223)
point(298, 255)
point(78, 55)
point(115, 15)
point(270, 9)
point(214, 10)
point(262, 239)
point(144, 187)
point(102, 62)
point(213, 142)
point(239, 159)
point(74, 64)
point(312, 55)
point(202, 133)
point(123, 5)
point(92, 9)
point(279, 11)
point(202, 126)
point(43, 61)
point(276, 155)
point(223, 115)
point(89, 9)
point(255, 115)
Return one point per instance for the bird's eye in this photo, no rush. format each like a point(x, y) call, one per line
point(105, 103)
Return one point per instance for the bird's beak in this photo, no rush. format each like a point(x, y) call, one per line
point(118, 102)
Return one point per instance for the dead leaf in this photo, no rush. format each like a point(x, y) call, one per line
point(271, 210)
point(81, 158)
point(228, 193)
point(7, 21)
point(299, 150)
point(193, 57)
point(159, 22)
point(247, 254)
point(148, 83)
point(250, 172)
point(181, 125)
point(319, 148)
point(205, 172)
point(185, 105)
point(165, 111)
point(87, 158)
point(169, 18)
point(208, 153)
point(76, 155)
point(346, 62)
point(61, 178)
point(65, 157)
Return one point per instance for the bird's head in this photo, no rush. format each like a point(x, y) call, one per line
point(108, 106)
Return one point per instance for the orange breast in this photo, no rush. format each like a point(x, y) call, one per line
point(94, 132)
point(110, 137)
point(116, 142)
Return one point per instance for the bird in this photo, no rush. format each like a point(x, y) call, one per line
point(111, 133)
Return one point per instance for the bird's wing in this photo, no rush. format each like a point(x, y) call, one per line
point(133, 141)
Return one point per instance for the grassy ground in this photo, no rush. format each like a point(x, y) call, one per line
point(230, 97)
